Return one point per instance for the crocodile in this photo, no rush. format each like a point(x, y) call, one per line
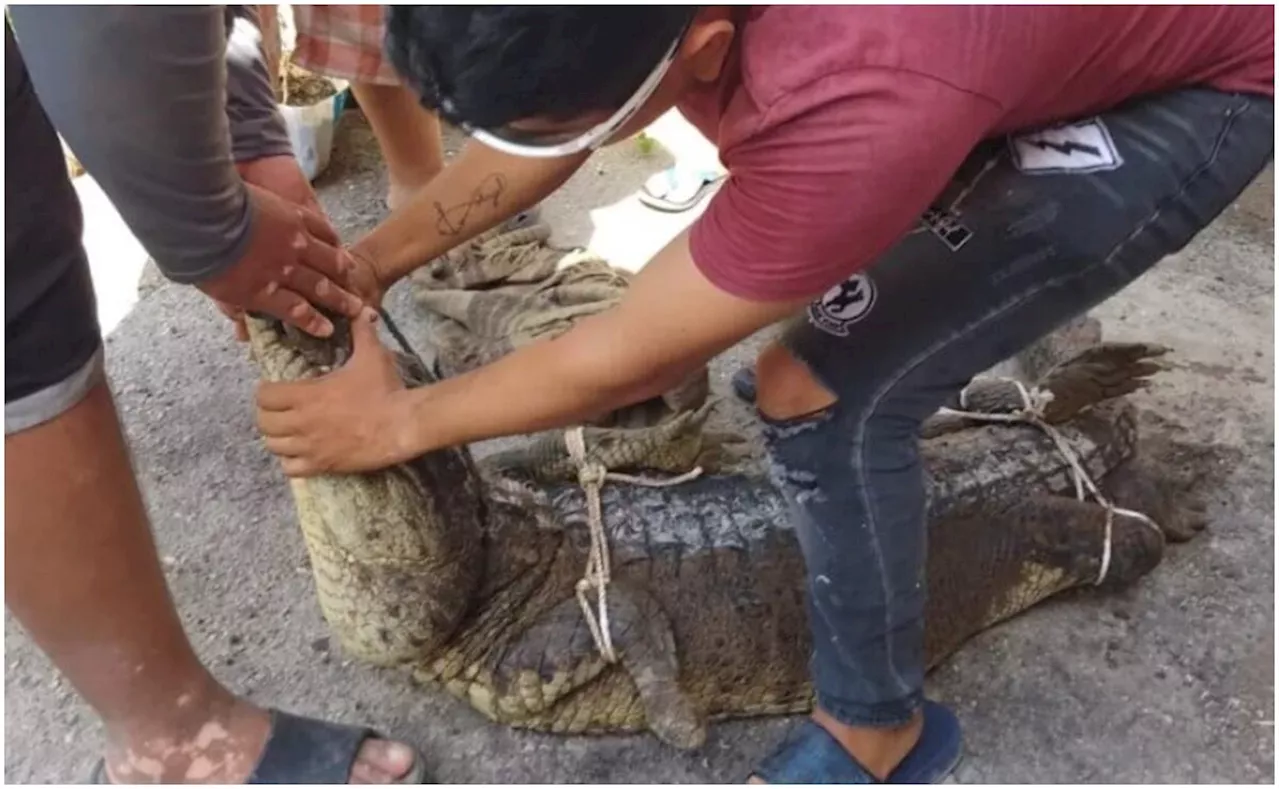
point(464, 570)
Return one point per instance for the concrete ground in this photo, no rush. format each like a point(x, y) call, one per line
point(1170, 681)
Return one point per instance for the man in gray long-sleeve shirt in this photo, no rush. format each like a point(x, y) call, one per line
point(170, 110)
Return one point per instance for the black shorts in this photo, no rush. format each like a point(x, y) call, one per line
point(53, 345)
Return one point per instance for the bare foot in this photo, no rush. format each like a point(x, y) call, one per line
point(224, 747)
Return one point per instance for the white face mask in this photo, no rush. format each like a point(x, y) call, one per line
point(548, 146)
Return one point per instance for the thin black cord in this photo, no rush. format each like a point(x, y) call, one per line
point(404, 344)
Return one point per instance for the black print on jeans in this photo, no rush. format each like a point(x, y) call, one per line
point(843, 305)
point(947, 227)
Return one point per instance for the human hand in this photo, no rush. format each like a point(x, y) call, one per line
point(282, 176)
point(362, 280)
point(292, 265)
point(350, 420)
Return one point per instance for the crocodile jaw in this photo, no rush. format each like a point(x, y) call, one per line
point(396, 553)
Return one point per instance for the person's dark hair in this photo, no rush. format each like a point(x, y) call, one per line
point(490, 65)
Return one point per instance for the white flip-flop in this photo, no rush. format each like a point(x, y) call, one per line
point(678, 188)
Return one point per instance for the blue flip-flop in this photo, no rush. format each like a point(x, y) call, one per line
point(812, 756)
point(744, 385)
point(307, 751)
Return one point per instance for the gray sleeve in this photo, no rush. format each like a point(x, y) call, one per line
point(257, 130)
point(141, 95)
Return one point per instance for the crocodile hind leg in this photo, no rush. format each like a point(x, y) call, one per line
point(1076, 335)
point(1171, 496)
point(984, 570)
point(1095, 375)
point(552, 677)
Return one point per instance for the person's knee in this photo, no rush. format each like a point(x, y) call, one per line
point(786, 388)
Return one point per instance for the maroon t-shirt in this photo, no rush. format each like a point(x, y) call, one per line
point(839, 125)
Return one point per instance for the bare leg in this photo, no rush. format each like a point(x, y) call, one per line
point(83, 579)
point(408, 135)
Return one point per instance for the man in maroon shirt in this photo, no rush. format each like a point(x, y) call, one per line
point(920, 191)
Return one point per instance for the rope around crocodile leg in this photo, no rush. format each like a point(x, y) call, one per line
point(1032, 413)
point(591, 476)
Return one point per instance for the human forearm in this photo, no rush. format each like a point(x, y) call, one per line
point(670, 323)
point(477, 191)
point(257, 128)
point(564, 381)
point(140, 96)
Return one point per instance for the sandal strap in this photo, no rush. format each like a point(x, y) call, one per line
point(302, 750)
point(810, 755)
point(938, 751)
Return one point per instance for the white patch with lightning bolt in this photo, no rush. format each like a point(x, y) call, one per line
point(1082, 147)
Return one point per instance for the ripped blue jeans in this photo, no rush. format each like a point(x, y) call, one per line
point(1033, 231)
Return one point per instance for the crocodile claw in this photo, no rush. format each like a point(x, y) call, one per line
point(1103, 372)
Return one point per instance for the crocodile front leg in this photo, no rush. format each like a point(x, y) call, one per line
point(551, 676)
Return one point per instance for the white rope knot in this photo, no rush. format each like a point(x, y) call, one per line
point(1032, 412)
point(591, 476)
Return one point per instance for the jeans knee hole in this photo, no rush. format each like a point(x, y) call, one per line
point(813, 418)
point(788, 392)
